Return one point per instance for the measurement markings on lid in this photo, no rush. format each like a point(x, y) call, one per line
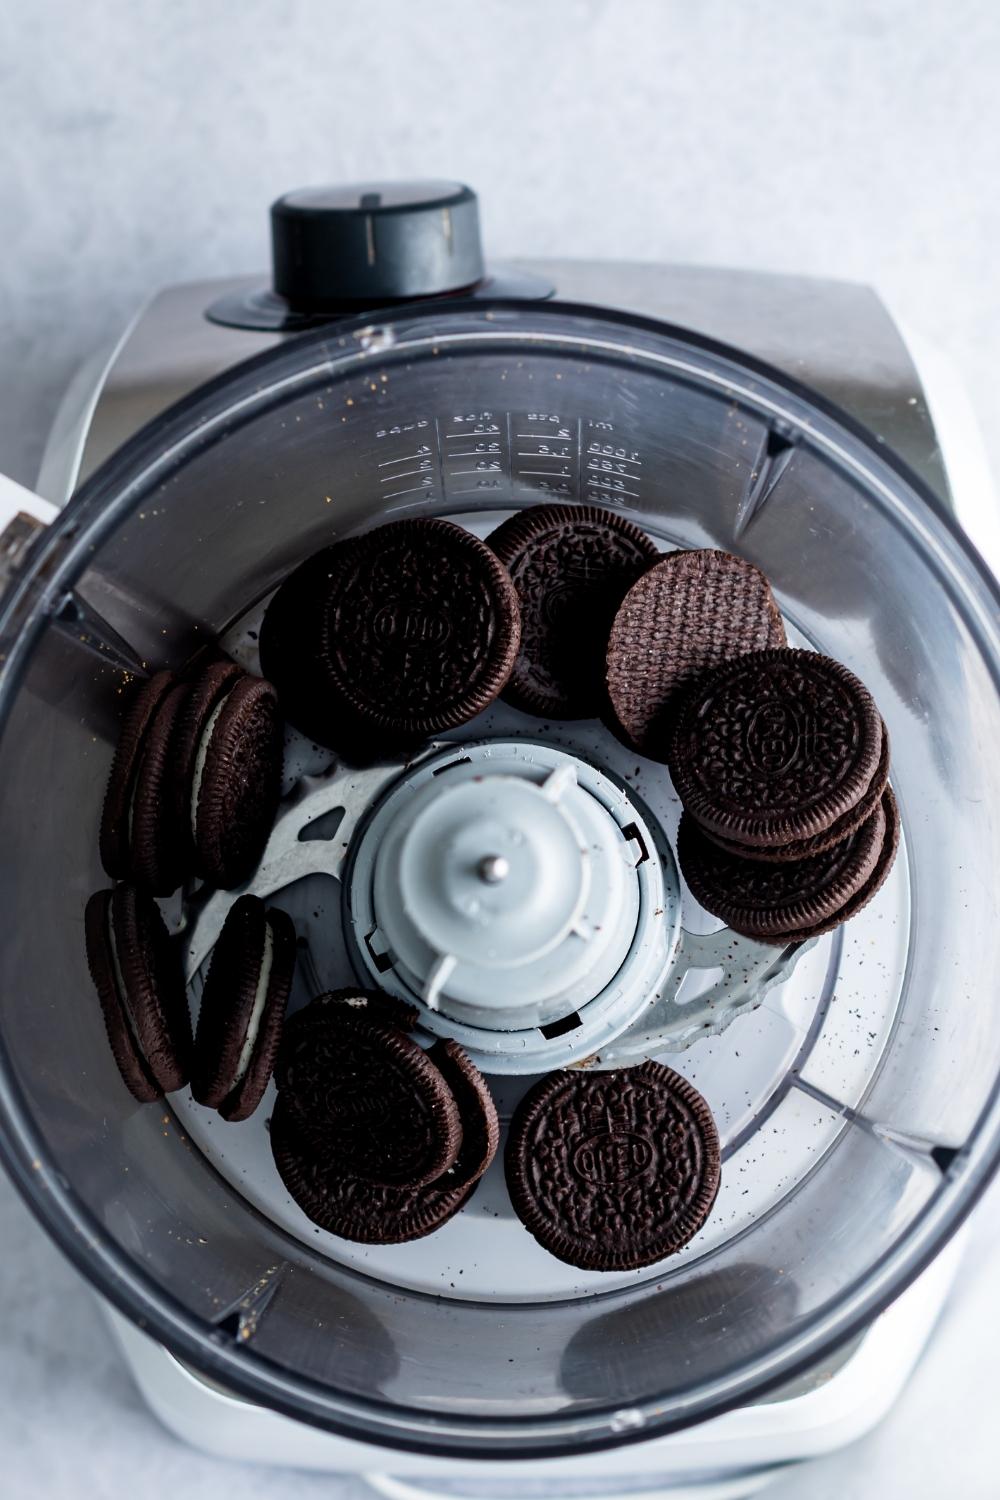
point(475, 455)
point(612, 470)
point(502, 456)
point(546, 455)
point(407, 461)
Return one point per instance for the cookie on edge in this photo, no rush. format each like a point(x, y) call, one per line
point(613, 1171)
point(115, 842)
point(572, 565)
point(207, 687)
point(160, 857)
point(243, 1008)
point(689, 613)
point(236, 781)
point(137, 973)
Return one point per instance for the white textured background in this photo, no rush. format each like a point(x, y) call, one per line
point(140, 143)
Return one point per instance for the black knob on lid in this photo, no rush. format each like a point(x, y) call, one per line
point(375, 242)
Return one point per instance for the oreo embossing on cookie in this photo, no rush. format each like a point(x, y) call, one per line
point(613, 1171)
point(571, 566)
point(775, 746)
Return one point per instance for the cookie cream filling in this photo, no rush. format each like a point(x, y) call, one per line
point(257, 1009)
point(201, 757)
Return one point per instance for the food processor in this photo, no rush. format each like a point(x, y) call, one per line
point(388, 371)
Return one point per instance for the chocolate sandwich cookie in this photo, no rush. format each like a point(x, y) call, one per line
point(776, 902)
point(136, 970)
point(159, 854)
point(571, 566)
point(872, 886)
point(775, 747)
point(243, 1008)
point(684, 616)
point(420, 629)
point(613, 1171)
point(351, 1207)
point(376, 1005)
point(207, 687)
point(115, 845)
point(841, 829)
point(235, 780)
point(478, 1113)
point(368, 1095)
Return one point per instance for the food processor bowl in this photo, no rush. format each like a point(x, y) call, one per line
point(857, 1099)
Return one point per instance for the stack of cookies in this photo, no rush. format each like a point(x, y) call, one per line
point(781, 760)
point(377, 1140)
point(779, 756)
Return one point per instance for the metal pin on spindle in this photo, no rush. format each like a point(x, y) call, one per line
point(493, 868)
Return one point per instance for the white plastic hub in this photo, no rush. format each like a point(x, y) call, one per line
point(498, 895)
point(509, 888)
point(491, 873)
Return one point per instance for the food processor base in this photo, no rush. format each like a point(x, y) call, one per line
point(733, 1455)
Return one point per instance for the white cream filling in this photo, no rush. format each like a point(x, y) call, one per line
point(116, 969)
point(257, 1010)
point(201, 758)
